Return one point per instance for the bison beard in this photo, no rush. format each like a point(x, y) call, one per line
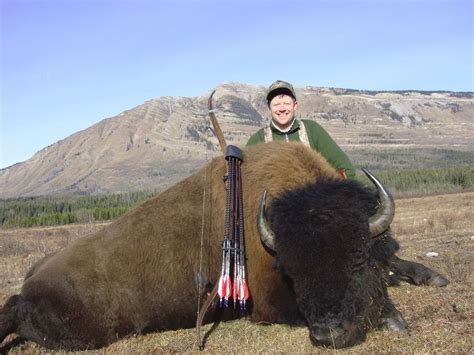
point(338, 272)
point(124, 280)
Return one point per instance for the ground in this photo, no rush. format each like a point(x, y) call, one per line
point(440, 319)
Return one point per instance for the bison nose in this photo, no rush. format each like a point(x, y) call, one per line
point(336, 337)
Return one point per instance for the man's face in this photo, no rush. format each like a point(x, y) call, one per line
point(283, 109)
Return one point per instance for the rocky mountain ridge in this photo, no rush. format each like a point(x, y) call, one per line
point(153, 145)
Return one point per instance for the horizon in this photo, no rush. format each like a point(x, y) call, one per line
point(71, 65)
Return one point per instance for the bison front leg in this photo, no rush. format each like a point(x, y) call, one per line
point(415, 273)
point(54, 321)
point(274, 301)
point(8, 317)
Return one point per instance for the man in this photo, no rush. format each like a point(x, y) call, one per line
point(281, 100)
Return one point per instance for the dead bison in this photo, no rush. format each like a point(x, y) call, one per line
point(136, 275)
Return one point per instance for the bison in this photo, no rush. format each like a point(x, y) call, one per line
point(318, 262)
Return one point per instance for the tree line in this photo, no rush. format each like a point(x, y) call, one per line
point(428, 180)
point(50, 210)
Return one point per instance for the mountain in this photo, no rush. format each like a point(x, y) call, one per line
point(163, 140)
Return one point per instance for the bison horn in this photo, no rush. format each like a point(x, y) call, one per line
point(380, 221)
point(266, 234)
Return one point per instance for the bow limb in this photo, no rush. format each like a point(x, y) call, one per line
point(215, 124)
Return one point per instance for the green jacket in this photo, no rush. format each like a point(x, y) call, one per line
point(319, 140)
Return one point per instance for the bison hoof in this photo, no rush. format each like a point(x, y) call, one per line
point(437, 280)
point(395, 323)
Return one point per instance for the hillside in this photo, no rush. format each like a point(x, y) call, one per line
point(153, 145)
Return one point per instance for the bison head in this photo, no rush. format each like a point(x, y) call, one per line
point(323, 237)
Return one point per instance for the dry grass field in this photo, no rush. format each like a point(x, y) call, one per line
point(440, 319)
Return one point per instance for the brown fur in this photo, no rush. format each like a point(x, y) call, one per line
point(138, 273)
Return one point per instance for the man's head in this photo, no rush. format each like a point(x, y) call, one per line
point(281, 99)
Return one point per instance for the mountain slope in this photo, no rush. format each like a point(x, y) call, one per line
point(163, 140)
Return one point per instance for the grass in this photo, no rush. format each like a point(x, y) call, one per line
point(440, 319)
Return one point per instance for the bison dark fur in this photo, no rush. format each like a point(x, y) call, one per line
point(136, 274)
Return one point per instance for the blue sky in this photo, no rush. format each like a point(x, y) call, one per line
point(67, 64)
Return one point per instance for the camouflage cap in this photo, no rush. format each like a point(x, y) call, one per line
point(280, 87)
